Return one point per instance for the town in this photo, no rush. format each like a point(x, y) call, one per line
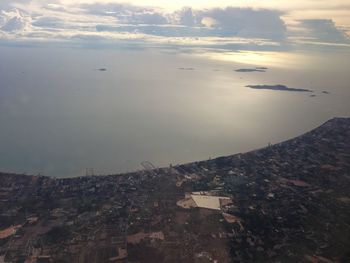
point(288, 202)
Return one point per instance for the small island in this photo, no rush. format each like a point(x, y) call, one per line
point(256, 69)
point(186, 68)
point(277, 87)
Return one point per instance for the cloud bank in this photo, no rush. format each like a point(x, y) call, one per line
point(229, 28)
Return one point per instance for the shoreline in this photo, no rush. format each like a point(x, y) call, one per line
point(166, 168)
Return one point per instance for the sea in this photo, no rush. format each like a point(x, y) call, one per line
point(67, 112)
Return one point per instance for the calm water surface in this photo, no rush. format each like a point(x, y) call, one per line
point(59, 115)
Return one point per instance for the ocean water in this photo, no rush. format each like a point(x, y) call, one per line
point(59, 114)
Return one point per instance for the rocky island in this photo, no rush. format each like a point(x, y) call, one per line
point(277, 87)
point(258, 69)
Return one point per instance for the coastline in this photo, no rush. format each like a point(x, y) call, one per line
point(330, 121)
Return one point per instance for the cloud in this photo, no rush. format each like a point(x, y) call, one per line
point(208, 21)
point(13, 20)
point(56, 7)
point(323, 30)
point(323, 33)
point(48, 22)
point(148, 18)
point(113, 9)
point(226, 28)
point(244, 22)
point(127, 14)
point(13, 24)
point(228, 22)
point(185, 17)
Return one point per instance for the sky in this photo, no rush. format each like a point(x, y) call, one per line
point(269, 25)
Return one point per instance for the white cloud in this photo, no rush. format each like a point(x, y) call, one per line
point(208, 21)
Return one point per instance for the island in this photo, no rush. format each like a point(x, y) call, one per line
point(277, 87)
point(186, 68)
point(256, 69)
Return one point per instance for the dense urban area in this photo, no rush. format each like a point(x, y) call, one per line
point(288, 202)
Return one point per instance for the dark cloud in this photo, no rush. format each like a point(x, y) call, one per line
point(245, 22)
point(48, 22)
point(148, 19)
point(324, 30)
point(13, 20)
point(229, 22)
point(186, 17)
point(13, 24)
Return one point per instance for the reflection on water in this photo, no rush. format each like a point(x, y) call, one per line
point(59, 115)
point(294, 60)
point(280, 59)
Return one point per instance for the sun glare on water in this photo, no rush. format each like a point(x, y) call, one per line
point(264, 58)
